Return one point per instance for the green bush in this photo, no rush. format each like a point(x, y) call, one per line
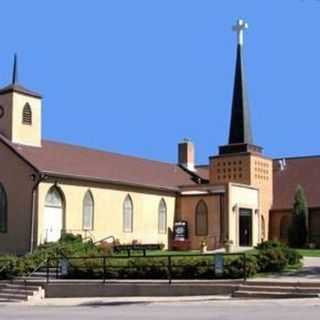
point(235, 269)
point(292, 256)
point(271, 257)
point(68, 246)
point(272, 244)
point(157, 268)
point(8, 267)
point(70, 237)
point(272, 260)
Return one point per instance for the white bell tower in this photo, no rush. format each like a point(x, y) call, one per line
point(20, 112)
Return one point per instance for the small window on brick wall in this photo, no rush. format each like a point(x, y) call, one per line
point(27, 115)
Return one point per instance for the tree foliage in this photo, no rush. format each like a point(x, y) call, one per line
point(297, 235)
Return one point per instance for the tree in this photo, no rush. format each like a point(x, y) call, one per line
point(297, 234)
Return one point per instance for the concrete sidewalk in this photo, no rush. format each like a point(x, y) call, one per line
point(115, 301)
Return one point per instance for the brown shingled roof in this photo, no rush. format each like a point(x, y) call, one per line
point(304, 171)
point(79, 162)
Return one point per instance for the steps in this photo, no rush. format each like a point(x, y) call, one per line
point(274, 290)
point(18, 292)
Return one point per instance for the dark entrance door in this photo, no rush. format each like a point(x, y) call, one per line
point(245, 228)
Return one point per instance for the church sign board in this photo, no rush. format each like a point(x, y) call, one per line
point(180, 231)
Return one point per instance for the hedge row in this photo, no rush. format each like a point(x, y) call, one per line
point(270, 257)
point(69, 245)
point(157, 268)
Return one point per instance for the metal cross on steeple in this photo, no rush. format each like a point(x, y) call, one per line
point(240, 127)
point(239, 27)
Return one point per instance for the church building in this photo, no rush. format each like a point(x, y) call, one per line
point(49, 188)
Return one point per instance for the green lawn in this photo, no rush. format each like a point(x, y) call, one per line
point(303, 252)
point(159, 253)
point(309, 252)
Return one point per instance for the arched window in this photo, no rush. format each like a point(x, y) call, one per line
point(284, 228)
point(127, 214)
point(201, 219)
point(3, 209)
point(162, 217)
point(27, 114)
point(54, 198)
point(88, 209)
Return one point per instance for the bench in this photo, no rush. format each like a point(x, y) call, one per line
point(136, 247)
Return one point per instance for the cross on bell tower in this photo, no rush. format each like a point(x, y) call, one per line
point(239, 28)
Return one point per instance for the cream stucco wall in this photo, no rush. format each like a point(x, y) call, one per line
point(11, 125)
point(108, 212)
point(241, 196)
point(21, 133)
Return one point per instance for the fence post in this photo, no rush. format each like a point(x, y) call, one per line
point(47, 270)
point(244, 267)
point(58, 267)
point(169, 270)
point(104, 269)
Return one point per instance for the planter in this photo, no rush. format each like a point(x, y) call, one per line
point(311, 245)
point(228, 246)
point(203, 248)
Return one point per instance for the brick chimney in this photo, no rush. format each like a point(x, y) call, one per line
point(186, 154)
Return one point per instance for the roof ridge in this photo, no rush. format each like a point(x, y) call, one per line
point(297, 157)
point(108, 152)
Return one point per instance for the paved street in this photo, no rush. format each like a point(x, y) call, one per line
point(222, 310)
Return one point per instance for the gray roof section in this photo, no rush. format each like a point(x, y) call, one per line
point(19, 89)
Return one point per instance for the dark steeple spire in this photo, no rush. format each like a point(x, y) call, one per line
point(240, 135)
point(14, 86)
point(240, 126)
point(15, 69)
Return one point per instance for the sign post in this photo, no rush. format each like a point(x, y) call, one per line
point(219, 265)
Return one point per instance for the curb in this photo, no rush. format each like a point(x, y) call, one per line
point(114, 301)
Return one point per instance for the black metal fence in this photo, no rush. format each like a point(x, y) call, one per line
point(5, 265)
point(142, 267)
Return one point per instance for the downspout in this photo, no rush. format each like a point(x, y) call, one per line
point(38, 179)
point(222, 219)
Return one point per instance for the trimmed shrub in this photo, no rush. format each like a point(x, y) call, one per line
point(234, 268)
point(157, 268)
point(272, 260)
point(272, 244)
point(8, 267)
point(292, 256)
point(70, 237)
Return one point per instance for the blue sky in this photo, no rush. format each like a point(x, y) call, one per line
point(137, 76)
